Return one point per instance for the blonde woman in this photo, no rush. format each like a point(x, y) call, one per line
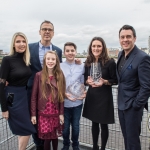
point(14, 104)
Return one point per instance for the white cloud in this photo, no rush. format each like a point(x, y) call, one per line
point(77, 21)
point(146, 1)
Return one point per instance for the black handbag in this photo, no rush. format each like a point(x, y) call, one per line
point(10, 98)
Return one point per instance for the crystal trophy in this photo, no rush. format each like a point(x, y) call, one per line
point(95, 72)
point(76, 90)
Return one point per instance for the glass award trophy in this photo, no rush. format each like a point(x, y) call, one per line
point(95, 72)
point(76, 90)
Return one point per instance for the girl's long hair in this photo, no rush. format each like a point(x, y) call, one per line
point(103, 57)
point(26, 56)
point(59, 76)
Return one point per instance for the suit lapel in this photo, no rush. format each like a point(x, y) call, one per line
point(129, 61)
point(36, 52)
point(54, 84)
point(119, 56)
point(53, 48)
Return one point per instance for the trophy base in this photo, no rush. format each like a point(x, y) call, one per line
point(74, 97)
point(96, 82)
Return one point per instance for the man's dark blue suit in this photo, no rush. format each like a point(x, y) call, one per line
point(36, 67)
point(133, 94)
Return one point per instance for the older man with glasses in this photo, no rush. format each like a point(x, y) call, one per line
point(37, 51)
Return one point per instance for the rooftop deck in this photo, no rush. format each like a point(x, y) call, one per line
point(115, 141)
point(60, 145)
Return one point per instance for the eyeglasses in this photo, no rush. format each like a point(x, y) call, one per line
point(47, 29)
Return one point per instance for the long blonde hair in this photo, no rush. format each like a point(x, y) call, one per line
point(26, 56)
point(59, 76)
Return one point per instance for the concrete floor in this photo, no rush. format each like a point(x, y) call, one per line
point(60, 145)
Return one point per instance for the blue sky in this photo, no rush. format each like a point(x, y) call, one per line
point(75, 20)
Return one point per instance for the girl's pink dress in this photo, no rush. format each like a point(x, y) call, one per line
point(49, 126)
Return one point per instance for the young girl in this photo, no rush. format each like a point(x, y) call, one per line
point(47, 98)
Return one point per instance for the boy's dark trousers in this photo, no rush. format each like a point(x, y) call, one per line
point(71, 117)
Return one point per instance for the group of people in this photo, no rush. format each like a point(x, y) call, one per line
point(35, 100)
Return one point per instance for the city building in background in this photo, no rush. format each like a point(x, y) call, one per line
point(2, 54)
point(113, 52)
point(146, 50)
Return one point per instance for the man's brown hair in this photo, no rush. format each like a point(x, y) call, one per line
point(46, 21)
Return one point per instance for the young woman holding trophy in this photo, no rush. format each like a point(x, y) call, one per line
point(100, 75)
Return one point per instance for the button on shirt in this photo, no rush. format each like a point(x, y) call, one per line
point(42, 51)
point(72, 73)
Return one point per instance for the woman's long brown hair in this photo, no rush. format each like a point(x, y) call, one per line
point(59, 76)
point(103, 57)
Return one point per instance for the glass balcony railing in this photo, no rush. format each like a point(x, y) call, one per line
point(115, 141)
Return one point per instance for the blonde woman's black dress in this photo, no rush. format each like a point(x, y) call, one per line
point(16, 73)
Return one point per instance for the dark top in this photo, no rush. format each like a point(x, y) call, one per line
point(15, 72)
point(122, 61)
point(98, 106)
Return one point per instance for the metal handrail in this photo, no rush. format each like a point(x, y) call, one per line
point(115, 140)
